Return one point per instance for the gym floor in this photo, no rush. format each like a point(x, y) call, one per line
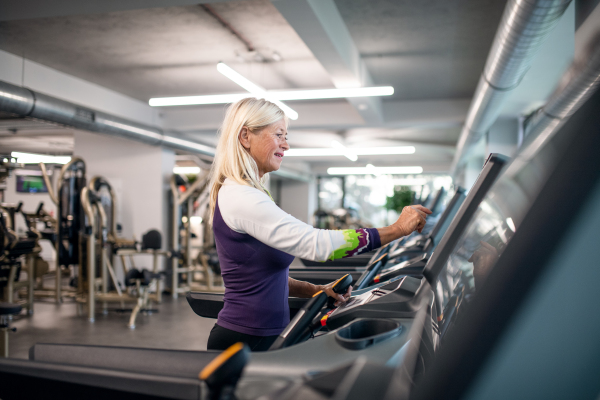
point(174, 326)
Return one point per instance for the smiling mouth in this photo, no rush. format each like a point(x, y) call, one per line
point(280, 155)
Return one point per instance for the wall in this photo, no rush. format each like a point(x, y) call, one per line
point(139, 174)
point(299, 199)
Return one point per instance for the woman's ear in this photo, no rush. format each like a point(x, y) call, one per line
point(245, 137)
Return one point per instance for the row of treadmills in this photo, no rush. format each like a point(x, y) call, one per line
point(500, 301)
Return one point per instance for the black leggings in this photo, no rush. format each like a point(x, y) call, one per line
point(221, 338)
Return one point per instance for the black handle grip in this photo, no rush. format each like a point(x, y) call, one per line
point(342, 284)
point(340, 287)
point(39, 209)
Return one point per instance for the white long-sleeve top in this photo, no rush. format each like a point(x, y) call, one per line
point(248, 210)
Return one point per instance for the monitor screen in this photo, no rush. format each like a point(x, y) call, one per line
point(489, 230)
point(31, 184)
point(448, 215)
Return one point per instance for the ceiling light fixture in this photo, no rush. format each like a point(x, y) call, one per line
point(186, 170)
point(29, 158)
point(349, 155)
point(272, 95)
point(254, 88)
point(372, 170)
point(363, 151)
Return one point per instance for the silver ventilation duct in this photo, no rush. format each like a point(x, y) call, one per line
point(27, 103)
point(523, 28)
point(582, 80)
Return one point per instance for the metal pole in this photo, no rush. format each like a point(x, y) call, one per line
point(91, 250)
point(58, 288)
point(175, 239)
point(103, 270)
point(155, 270)
point(4, 343)
point(188, 241)
point(31, 261)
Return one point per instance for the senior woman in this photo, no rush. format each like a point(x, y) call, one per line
point(257, 241)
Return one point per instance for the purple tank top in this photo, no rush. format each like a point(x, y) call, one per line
point(256, 282)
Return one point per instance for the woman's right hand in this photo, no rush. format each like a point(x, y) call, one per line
point(412, 219)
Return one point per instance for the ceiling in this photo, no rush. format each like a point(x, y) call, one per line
point(433, 49)
point(429, 50)
point(432, 52)
point(171, 51)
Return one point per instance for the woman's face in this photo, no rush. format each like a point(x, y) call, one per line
point(266, 146)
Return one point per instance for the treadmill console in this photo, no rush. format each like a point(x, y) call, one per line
point(395, 299)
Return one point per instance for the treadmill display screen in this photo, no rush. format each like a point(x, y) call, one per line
point(492, 226)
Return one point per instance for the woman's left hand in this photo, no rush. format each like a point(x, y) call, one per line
point(339, 298)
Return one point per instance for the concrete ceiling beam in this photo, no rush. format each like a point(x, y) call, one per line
point(11, 10)
point(321, 27)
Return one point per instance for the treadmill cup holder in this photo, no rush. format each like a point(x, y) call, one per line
point(365, 332)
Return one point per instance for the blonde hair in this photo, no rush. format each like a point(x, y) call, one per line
point(232, 160)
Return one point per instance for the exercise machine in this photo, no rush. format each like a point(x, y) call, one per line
point(69, 222)
point(184, 195)
point(101, 241)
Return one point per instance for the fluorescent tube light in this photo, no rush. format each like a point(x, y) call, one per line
point(362, 151)
point(287, 95)
point(28, 158)
point(349, 155)
point(197, 100)
point(254, 88)
point(371, 170)
point(274, 95)
point(186, 170)
point(332, 93)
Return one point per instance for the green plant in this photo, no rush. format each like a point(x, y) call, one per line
point(191, 178)
point(401, 198)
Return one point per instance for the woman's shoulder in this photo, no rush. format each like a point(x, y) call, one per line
point(233, 195)
point(232, 187)
point(238, 203)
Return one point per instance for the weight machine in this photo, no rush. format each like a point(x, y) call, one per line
point(69, 222)
point(99, 243)
point(184, 196)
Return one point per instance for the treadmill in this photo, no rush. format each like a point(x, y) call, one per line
point(361, 260)
point(415, 266)
point(325, 275)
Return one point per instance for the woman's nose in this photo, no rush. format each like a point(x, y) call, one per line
point(285, 145)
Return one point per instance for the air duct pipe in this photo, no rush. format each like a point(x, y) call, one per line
point(581, 81)
point(522, 30)
point(27, 103)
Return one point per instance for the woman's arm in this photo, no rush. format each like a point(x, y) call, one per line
point(306, 290)
point(302, 289)
point(247, 210)
point(411, 219)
